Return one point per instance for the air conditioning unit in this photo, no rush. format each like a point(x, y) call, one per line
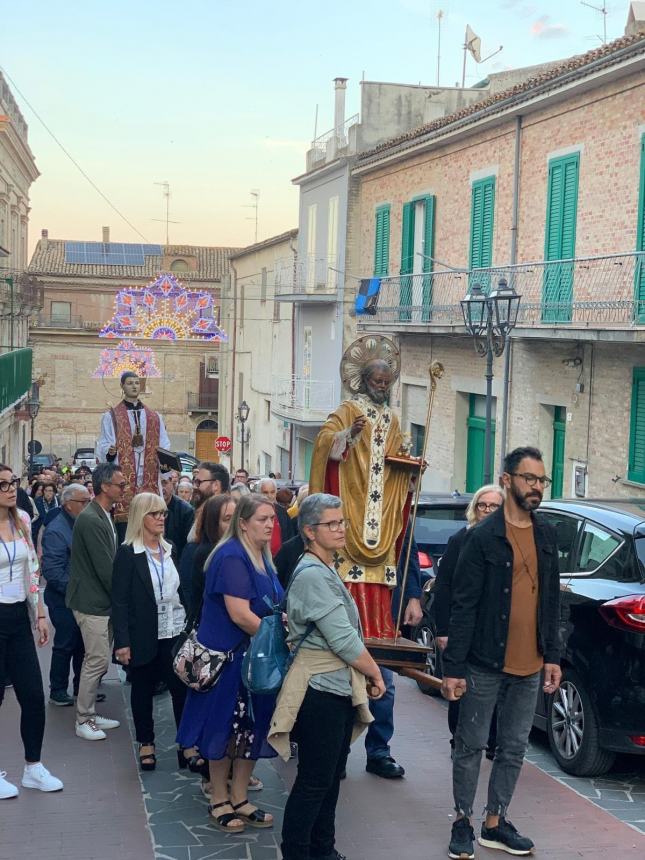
point(211, 366)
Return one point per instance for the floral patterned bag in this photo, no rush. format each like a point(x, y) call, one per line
point(199, 667)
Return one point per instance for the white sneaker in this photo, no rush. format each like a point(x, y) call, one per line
point(89, 731)
point(37, 776)
point(7, 789)
point(105, 723)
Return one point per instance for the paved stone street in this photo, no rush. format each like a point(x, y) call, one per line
point(108, 811)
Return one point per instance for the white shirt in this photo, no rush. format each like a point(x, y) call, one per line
point(109, 519)
point(165, 583)
point(12, 575)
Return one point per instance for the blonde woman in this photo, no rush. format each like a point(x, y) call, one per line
point(485, 501)
point(239, 576)
point(147, 617)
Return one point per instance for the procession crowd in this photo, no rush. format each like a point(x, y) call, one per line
point(206, 557)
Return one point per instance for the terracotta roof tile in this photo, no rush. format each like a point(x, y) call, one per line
point(212, 263)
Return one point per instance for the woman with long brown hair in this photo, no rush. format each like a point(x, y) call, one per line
point(21, 611)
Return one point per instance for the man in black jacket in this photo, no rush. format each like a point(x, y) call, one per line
point(503, 632)
point(180, 517)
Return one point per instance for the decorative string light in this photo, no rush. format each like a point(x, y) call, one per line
point(164, 310)
point(114, 361)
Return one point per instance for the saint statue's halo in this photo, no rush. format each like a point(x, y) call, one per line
point(364, 350)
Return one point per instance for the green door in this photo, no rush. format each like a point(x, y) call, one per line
point(560, 238)
point(307, 452)
point(557, 472)
point(475, 454)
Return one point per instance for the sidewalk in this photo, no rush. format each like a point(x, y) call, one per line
point(103, 815)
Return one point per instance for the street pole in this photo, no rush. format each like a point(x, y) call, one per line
point(31, 447)
point(488, 430)
point(242, 464)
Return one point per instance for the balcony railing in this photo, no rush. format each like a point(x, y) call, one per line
point(15, 377)
point(302, 399)
point(27, 290)
point(583, 292)
point(308, 276)
point(326, 146)
point(43, 320)
point(202, 402)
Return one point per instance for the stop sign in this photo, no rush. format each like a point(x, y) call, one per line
point(223, 444)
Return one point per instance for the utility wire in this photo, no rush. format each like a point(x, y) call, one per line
point(69, 155)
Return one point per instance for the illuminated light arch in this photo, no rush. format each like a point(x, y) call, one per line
point(164, 310)
point(114, 361)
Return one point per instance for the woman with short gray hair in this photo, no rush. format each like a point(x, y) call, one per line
point(327, 686)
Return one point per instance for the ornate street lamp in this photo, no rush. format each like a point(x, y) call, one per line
point(243, 417)
point(33, 407)
point(489, 319)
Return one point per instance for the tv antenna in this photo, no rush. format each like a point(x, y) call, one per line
point(255, 194)
point(603, 11)
point(440, 15)
point(166, 193)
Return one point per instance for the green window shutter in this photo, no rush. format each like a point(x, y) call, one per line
point(382, 242)
point(560, 237)
point(407, 239)
point(428, 254)
point(636, 467)
point(639, 285)
point(481, 225)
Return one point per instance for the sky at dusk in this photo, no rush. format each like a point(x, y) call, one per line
point(219, 97)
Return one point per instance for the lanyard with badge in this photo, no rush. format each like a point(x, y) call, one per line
point(11, 589)
point(164, 607)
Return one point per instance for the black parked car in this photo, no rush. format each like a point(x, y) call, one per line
point(599, 709)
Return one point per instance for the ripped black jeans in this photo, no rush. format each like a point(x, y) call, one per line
point(515, 697)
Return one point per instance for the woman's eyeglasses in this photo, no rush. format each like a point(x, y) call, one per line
point(486, 507)
point(332, 525)
point(6, 486)
point(158, 515)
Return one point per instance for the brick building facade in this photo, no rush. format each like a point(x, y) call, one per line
point(458, 212)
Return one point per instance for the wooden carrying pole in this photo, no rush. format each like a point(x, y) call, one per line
point(436, 372)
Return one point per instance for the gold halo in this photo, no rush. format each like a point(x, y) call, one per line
point(363, 350)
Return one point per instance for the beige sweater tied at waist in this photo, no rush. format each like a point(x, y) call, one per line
point(309, 662)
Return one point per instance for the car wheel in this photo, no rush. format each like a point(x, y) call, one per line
point(573, 731)
point(425, 634)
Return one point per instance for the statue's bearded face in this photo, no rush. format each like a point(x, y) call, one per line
point(378, 385)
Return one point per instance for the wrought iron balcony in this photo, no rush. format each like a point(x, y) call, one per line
point(306, 278)
point(302, 400)
point(580, 293)
point(202, 402)
point(337, 141)
point(43, 320)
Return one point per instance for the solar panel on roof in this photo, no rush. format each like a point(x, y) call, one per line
point(109, 254)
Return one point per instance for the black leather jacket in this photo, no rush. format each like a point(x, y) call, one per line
point(481, 597)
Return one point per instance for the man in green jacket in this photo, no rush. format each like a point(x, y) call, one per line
point(89, 594)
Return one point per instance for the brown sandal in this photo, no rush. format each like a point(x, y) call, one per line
point(223, 822)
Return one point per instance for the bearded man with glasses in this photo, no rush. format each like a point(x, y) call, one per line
point(503, 635)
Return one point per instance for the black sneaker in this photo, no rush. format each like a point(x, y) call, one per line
point(61, 698)
point(506, 838)
point(461, 840)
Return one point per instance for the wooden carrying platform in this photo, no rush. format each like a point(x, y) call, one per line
point(406, 657)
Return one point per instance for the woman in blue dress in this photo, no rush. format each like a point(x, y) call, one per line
point(239, 575)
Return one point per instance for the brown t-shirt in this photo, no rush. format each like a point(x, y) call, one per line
point(522, 656)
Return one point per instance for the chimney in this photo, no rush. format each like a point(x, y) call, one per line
point(635, 19)
point(44, 239)
point(106, 235)
point(340, 85)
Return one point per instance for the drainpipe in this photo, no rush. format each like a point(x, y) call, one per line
point(292, 434)
point(232, 423)
point(514, 229)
